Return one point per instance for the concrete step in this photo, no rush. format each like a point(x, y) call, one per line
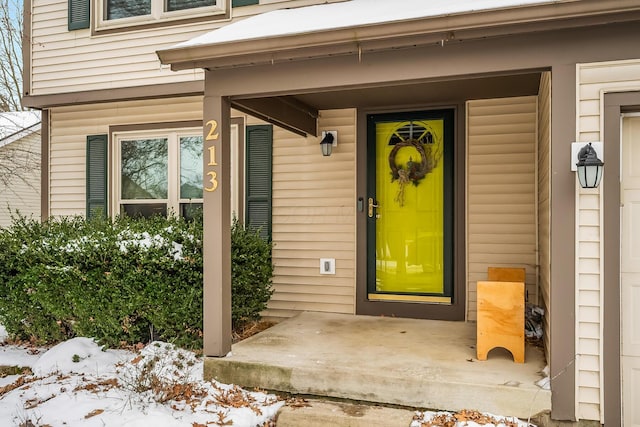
point(322, 413)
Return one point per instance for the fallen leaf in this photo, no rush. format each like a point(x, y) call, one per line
point(94, 413)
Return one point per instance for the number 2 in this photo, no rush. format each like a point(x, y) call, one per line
point(213, 125)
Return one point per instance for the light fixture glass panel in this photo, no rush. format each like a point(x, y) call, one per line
point(144, 168)
point(191, 167)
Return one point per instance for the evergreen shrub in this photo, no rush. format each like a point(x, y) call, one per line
point(122, 282)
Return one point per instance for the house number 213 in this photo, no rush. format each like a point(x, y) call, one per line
point(212, 135)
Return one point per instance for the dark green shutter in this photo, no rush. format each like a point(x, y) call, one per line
point(238, 3)
point(258, 179)
point(96, 175)
point(79, 14)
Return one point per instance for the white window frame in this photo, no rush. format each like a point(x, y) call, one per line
point(173, 199)
point(158, 14)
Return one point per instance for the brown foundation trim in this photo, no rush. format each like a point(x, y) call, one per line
point(168, 90)
point(614, 105)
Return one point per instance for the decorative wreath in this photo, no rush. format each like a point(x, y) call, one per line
point(411, 172)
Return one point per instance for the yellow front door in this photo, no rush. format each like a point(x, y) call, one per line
point(409, 207)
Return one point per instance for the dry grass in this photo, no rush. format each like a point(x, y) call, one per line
point(249, 329)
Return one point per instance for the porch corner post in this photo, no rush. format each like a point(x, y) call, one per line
point(217, 225)
point(563, 256)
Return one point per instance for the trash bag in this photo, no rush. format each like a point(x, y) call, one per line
point(533, 318)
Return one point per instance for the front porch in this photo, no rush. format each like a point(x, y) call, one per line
point(408, 362)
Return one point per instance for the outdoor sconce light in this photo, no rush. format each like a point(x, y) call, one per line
point(329, 140)
point(589, 167)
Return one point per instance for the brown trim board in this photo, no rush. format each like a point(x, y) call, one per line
point(169, 90)
point(562, 239)
point(44, 165)
point(26, 49)
point(614, 105)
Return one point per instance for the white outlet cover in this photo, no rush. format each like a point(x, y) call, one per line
point(327, 266)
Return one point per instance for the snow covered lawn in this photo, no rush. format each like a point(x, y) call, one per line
point(76, 383)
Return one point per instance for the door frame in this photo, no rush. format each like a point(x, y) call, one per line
point(419, 310)
point(614, 105)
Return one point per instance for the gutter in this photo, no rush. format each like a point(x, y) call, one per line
point(399, 34)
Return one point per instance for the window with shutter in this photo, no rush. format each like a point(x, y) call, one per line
point(96, 182)
point(258, 179)
point(78, 16)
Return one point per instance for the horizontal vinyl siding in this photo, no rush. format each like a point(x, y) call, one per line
point(21, 192)
point(501, 199)
point(69, 61)
point(594, 80)
point(314, 217)
point(70, 127)
point(544, 204)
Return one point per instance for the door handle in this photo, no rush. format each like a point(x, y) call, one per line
point(371, 206)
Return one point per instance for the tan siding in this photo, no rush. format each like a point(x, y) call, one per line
point(70, 127)
point(68, 61)
point(21, 193)
point(544, 203)
point(594, 80)
point(501, 212)
point(313, 218)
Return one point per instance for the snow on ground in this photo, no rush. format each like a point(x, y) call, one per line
point(77, 383)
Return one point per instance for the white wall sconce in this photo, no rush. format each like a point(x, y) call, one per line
point(588, 166)
point(328, 141)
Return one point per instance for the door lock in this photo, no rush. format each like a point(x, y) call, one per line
point(371, 206)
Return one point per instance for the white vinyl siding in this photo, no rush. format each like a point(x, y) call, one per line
point(69, 61)
point(70, 127)
point(22, 193)
point(544, 203)
point(593, 82)
point(501, 190)
point(314, 217)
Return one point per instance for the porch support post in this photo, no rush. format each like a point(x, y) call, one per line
point(562, 237)
point(217, 225)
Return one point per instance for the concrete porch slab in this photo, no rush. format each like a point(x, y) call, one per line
point(408, 362)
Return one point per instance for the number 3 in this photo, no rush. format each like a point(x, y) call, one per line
point(213, 181)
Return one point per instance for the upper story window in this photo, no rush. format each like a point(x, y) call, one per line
point(130, 13)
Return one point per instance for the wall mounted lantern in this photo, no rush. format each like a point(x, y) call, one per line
point(328, 141)
point(589, 167)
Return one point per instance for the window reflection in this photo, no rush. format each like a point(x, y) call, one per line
point(191, 167)
point(144, 168)
point(188, 4)
point(117, 9)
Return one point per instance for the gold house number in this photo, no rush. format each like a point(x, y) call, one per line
point(212, 136)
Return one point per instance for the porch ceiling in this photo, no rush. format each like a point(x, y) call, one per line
point(397, 95)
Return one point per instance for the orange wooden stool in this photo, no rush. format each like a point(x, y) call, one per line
point(501, 312)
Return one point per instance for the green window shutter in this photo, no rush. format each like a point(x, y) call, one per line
point(79, 14)
point(238, 3)
point(258, 179)
point(96, 175)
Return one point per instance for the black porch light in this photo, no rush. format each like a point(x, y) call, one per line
point(326, 144)
point(589, 167)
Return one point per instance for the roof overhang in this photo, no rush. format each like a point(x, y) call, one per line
point(361, 39)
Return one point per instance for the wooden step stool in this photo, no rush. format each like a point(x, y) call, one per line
point(501, 312)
